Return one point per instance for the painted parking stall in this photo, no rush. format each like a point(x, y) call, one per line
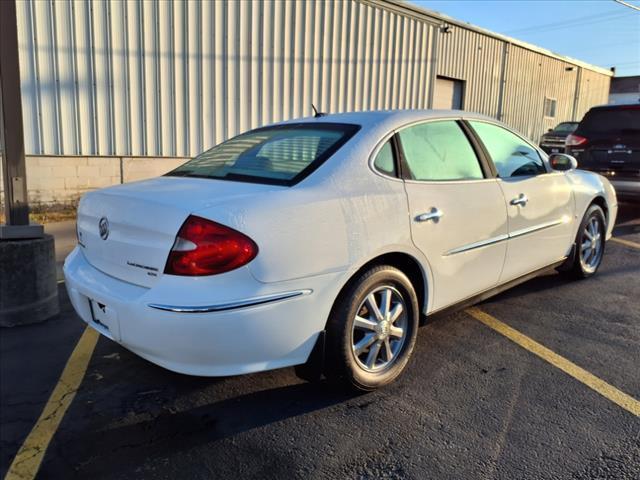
point(473, 403)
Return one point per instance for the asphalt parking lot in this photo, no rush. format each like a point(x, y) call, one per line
point(473, 403)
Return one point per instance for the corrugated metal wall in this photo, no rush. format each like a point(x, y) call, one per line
point(593, 90)
point(173, 78)
point(529, 78)
point(476, 59)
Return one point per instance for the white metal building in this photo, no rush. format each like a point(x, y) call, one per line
point(625, 90)
point(169, 79)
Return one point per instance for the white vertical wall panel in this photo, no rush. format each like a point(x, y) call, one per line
point(173, 78)
point(101, 59)
point(48, 94)
point(65, 75)
point(134, 88)
point(30, 87)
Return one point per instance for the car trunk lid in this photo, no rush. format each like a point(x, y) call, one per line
point(127, 231)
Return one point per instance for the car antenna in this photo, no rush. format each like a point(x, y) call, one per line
point(316, 113)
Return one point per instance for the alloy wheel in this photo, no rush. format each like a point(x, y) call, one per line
point(380, 329)
point(591, 245)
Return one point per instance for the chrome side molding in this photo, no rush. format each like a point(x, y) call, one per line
point(502, 238)
point(535, 228)
point(220, 307)
point(474, 245)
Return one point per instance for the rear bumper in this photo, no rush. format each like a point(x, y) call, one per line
point(248, 337)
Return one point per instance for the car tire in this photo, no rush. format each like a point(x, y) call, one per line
point(590, 244)
point(365, 348)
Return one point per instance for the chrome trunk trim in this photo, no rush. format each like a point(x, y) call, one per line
point(249, 302)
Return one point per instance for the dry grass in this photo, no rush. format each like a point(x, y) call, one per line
point(48, 214)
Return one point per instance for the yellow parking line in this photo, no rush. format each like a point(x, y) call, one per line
point(27, 461)
point(603, 388)
point(628, 243)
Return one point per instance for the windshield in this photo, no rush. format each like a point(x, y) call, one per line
point(607, 120)
point(566, 127)
point(280, 155)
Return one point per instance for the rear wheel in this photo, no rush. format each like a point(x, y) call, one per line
point(590, 242)
point(372, 329)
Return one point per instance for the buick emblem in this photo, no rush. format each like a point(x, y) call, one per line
point(103, 227)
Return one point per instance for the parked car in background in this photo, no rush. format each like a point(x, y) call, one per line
point(323, 241)
point(553, 140)
point(607, 141)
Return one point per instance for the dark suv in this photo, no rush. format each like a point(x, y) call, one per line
point(553, 140)
point(607, 141)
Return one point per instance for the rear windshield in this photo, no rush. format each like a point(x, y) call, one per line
point(279, 155)
point(621, 120)
point(566, 127)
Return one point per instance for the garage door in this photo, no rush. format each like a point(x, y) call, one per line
point(448, 94)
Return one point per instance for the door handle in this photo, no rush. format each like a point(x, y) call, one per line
point(434, 214)
point(520, 200)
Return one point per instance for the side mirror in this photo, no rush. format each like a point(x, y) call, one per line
point(550, 130)
point(562, 162)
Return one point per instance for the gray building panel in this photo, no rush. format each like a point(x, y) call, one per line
point(476, 60)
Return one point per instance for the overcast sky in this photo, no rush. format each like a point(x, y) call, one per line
point(600, 32)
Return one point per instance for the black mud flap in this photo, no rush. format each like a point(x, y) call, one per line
point(311, 371)
point(568, 263)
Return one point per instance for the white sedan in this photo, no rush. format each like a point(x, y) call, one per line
point(322, 242)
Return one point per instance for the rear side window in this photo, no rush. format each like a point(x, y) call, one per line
point(623, 120)
point(280, 155)
point(512, 156)
point(385, 161)
point(439, 151)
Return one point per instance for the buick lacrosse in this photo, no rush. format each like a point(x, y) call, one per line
point(323, 242)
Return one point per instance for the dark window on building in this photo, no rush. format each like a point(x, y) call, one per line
point(550, 105)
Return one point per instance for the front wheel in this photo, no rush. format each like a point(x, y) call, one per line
point(372, 329)
point(590, 243)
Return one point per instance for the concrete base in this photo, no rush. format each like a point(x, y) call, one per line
point(19, 232)
point(28, 287)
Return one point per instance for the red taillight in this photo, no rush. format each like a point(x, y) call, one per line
point(203, 247)
point(575, 140)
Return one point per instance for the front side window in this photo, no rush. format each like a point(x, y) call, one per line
point(439, 151)
point(512, 156)
point(385, 161)
point(280, 155)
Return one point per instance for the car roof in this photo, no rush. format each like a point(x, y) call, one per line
point(388, 119)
